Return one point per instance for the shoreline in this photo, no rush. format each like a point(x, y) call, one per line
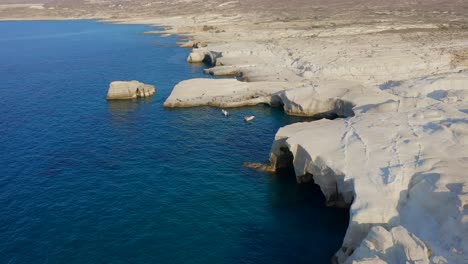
point(370, 222)
point(368, 228)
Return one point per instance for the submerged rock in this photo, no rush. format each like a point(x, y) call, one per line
point(129, 90)
point(259, 166)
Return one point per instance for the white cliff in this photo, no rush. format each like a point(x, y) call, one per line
point(129, 90)
point(399, 159)
point(396, 167)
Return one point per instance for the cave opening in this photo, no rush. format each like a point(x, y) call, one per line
point(329, 219)
point(285, 173)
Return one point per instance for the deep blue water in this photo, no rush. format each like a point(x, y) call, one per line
point(83, 180)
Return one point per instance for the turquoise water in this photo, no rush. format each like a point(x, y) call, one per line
point(83, 180)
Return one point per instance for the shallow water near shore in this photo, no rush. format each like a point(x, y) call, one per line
point(83, 180)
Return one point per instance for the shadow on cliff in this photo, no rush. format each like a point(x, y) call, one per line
point(420, 200)
point(415, 203)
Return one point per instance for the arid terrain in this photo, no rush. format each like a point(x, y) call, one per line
point(266, 10)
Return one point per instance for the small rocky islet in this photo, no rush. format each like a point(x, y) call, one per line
point(124, 90)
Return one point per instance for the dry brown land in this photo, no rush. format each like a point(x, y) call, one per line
point(264, 10)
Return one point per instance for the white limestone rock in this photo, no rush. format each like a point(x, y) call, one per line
point(405, 167)
point(195, 57)
point(224, 93)
point(202, 55)
point(225, 70)
point(394, 246)
point(129, 90)
point(331, 97)
point(449, 88)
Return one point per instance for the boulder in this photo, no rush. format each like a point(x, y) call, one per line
point(129, 90)
point(201, 55)
point(196, 56)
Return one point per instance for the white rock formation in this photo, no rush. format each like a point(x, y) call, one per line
point(331, 97)
point(399, 159)
point(394, 246)
point(225, 71)
point(224, 92)
point(196, 57)
point(402, 166)
point(451, 88)
point(201, 55)
point(129, 90)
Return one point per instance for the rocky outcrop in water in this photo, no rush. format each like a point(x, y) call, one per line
point(200, 55)
point(119, 90)
point(224, 93)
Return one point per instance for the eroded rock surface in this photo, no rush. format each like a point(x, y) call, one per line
point(394, 246)
point(331, 97)
point(120, 90)
point(224, 93)
point(202, 55)
point(449, 88)
point(405, 167)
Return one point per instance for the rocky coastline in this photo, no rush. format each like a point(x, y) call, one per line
point(402, 109)
point(397, 78)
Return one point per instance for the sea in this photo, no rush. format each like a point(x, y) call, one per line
point(85, 180)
